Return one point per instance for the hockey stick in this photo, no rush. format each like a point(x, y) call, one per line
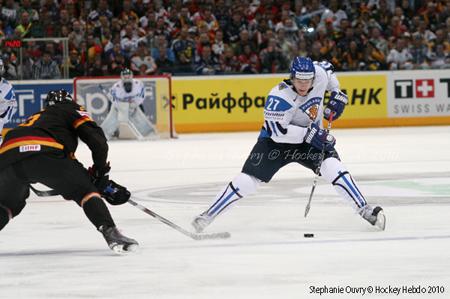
point(316, 176)
point(42, 193)
point(195, 236)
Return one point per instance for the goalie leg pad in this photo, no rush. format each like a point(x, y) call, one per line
point(111, 123)
point(141, 122)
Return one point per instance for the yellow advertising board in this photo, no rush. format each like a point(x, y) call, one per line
point(220, 103)
point(236, 103)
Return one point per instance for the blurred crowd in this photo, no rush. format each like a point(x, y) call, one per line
point(221, 36)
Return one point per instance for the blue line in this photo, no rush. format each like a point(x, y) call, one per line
point(353, 190)
point(224, 201)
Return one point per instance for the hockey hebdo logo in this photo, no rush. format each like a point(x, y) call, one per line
point(422, 96)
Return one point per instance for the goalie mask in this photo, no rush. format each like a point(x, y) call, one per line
point(57, 96)
point(127, 80)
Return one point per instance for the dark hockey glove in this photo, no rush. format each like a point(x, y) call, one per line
point(336, 105)
point(319, 138)
point(99, 172)
point(112, 192)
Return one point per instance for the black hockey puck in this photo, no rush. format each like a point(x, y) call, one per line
point(308, 235)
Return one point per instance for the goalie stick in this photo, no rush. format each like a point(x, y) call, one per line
point(195, 236)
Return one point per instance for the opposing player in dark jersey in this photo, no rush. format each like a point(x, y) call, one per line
point(41, 150)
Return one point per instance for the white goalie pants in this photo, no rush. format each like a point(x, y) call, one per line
point(332, 170)
point(129, 120)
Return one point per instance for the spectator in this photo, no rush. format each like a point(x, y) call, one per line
point(76, 36)
point(352, 57)
point(102, 10)
point(46, 68)
point(439, 57)
point(25, 6)
point(229, 64)
point(373, 59)
point(244, 40)
point(75, 66)
point(98, 68)
point(272, 59)
point(129, 41)
point(218, 46)
point(128, 14)
point(233, 28)
point(249, 61)
point(399, 58)
point(419, 52)
point(142, 57)
point(378, 40)
point(206, 63)
point(164, 64)
point(183, 48)
point(9, 15)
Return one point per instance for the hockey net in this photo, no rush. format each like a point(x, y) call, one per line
point(94, 94)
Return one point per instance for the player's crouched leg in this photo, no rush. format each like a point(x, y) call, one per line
point(97, 212)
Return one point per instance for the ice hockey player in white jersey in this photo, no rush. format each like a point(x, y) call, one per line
point(292, 132)
point(8, 102)
point(126, 117)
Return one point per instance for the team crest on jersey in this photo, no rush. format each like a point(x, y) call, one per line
point(30, 148)
point(311, 107)
point(312, 112)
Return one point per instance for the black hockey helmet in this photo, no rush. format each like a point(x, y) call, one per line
point(57, 96)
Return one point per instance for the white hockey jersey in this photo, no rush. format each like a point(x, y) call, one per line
point(287, 115)
point(8, 102)
point(136, 95)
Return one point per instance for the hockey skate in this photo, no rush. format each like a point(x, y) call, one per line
point(201, 222)
point(116, 241)
point(374, 216)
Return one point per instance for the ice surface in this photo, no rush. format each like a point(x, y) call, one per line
point(52, 251)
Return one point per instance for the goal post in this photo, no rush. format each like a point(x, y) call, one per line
point(94, 94)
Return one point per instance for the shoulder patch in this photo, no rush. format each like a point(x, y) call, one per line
point(282, 86)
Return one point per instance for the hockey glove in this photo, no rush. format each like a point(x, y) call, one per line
point(112, 192)
point(319, 138)
point(336, 105)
